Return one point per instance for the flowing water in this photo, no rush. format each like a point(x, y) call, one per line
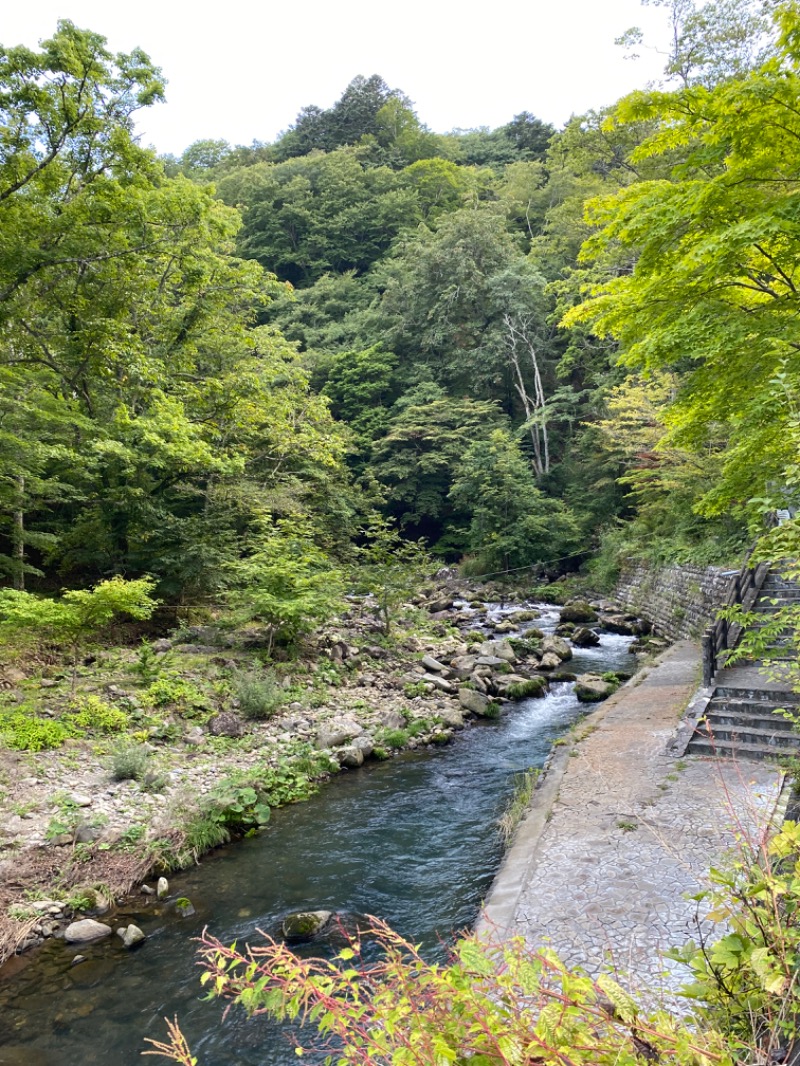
point(412, 840)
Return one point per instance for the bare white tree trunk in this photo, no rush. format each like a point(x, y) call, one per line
point(522, 350)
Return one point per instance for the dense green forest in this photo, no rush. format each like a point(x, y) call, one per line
point(246, 367)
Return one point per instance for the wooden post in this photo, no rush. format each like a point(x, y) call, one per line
point(708, 658)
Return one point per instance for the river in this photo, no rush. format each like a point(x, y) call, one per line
point(412, 840)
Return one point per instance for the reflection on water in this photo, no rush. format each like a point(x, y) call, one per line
point(412, 840)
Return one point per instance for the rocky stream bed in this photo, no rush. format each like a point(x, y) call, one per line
point(482, 656)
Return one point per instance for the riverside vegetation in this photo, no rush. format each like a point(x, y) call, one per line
point(244, 389)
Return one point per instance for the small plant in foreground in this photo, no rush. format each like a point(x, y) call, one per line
point(493, 1005)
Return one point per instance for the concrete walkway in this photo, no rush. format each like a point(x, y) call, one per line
point(620, 831)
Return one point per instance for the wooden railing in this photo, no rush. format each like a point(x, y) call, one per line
point(723, 635)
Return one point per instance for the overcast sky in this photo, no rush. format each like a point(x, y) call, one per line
point(241, 71)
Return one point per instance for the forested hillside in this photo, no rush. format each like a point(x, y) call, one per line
point(521, 345)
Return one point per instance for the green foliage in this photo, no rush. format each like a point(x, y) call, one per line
point(389, 568)
point(491, 1004)
point(23, 730)
point(412, 689)
point(744, 983)
point(513, 523)
point(289, 583)
point(260, 695)
point(90, 713)
point(523, 689)
point(393, 739)
point(714, 302)
point(174, 691)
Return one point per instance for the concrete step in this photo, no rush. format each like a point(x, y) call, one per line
point(734, 749)
point(773, 696)
point(747, 716)
point(719, 734)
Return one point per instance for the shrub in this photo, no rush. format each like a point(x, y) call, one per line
point(490, 1004)
point(93, 714)
point(260, 696)
point(24, 731)
point(130, 761)
point(172, 691)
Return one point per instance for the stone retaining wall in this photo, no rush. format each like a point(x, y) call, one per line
point(680, 601)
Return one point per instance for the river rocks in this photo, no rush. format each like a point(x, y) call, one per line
point(491, 662)
point(87, 833)
point(549, 661)
point(86, 930)
point(303, 925)
point(463, 665)
point(162, 888)
point(433, 666)
point(557, 646)
point(590, 688)
point(476, 703)
point(451, 717)
point(131, 936)
point(618, 623)
point(441, 603)
point(578, 611)
point(226, 724)
point(585, 638)
point(515, 687)
point(350, 757)
point(506, 627)
point(337, 731)
point(184, 908)
point(499, 649)
point(391, 720)
point(440, 683)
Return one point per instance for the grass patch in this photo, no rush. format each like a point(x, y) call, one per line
point(517, 807)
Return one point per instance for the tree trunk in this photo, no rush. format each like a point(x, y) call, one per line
point(18, 538)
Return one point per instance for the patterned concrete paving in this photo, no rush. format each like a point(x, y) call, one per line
point(622, 831)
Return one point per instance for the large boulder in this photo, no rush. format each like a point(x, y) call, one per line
point(578, 611)
point(433, 666)
point(618, 623)
point(391, 719)
point(475, 702)
point(557, 646)
point(451, 717)
point(131, 935)
point(585, 638)
point(516, 687)
point(337, 731)
point(549, 661)
point(491, 662)
point(498, 649)
point(439, 682)
point(86, 930)
point(303, 925)
point(463, 665)
point(226, 724)
point(350, 756)
point(590, 688)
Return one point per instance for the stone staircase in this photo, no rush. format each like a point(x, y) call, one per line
point(745, 722)
point(749, 716)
